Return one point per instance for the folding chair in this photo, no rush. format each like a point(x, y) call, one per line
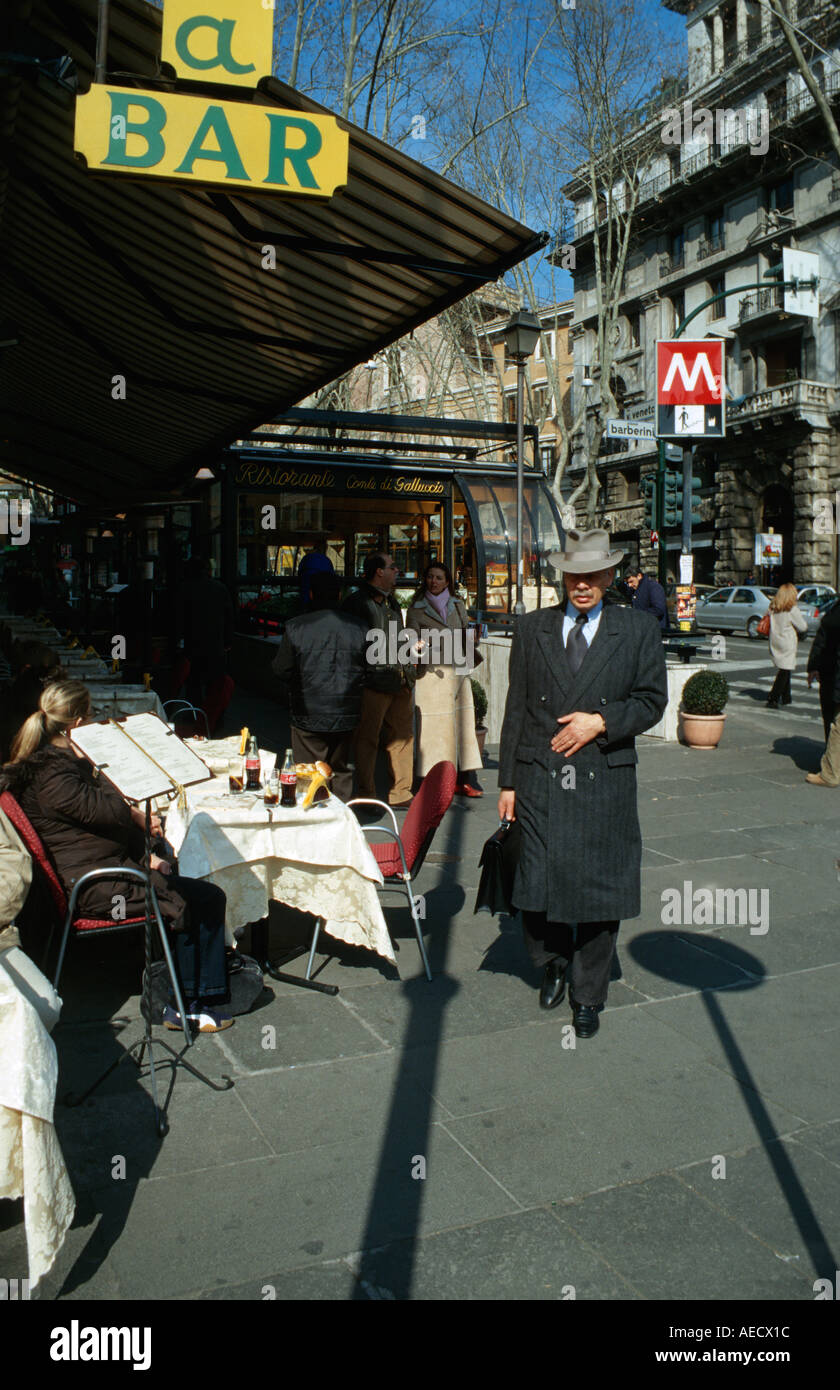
point(402, 854)
point(66, 911)
point(99, 926)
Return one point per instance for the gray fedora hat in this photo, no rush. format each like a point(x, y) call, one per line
point(585, 553)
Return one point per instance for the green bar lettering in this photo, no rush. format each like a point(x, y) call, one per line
point(214, 120)
point(298, 157)
point(121, 128)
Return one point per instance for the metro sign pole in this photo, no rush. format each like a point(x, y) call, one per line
point(689, 403)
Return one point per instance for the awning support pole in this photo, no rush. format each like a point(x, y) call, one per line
point(103, 24)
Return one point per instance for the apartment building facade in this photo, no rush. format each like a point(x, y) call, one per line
point(746, 169)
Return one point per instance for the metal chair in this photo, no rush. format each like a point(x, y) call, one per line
point(194, 712)
point(402, 854)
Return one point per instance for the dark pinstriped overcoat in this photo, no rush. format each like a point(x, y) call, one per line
point(581, 846)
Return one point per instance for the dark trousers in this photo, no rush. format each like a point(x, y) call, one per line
point(588, 948)
point(334, 749)
point(780, 694)
point(200, 947)
point(827, 705)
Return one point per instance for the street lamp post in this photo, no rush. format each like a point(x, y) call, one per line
point(521, 337)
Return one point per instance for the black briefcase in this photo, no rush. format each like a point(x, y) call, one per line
point(498, 862)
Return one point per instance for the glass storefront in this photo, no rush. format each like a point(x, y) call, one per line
point(467, 520)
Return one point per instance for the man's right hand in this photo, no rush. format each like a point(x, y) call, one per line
point(507, 805)
point(812, 676)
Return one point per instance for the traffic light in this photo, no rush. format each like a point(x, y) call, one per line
point(648, 487)
point(673, 490)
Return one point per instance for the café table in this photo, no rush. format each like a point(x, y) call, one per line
point(114, 699)
point(316, 860)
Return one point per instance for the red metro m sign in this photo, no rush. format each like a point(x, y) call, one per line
point(689, 388)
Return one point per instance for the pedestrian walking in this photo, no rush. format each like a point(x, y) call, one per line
point(321, 665)
point(315, 561)
point(822, 665)
point(598, 672)
point(648, 596)
point(786, 619)
point(443, 693)
point(387, 704)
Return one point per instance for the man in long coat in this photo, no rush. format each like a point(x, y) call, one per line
point(584, 680)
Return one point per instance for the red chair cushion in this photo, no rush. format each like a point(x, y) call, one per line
point(32, 841)
point(106, 923)
point(425, 814)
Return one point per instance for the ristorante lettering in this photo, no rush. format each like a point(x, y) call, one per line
point(258, 475)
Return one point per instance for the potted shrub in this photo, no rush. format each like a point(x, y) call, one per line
point(480, 702)
point(701, 710)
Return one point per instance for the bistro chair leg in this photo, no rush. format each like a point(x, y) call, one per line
point(415, 916)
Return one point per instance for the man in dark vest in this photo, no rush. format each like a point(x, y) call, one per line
point(584, 680)
point(387, 703)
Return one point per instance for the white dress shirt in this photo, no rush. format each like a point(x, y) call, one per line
point(590, 627)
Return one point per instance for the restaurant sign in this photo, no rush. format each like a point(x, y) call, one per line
point(344, 482)
point(200, 139)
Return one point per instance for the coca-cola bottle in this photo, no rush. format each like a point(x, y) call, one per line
point(288, 780)
point(252, 765)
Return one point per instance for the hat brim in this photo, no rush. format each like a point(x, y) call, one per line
point(571, 566)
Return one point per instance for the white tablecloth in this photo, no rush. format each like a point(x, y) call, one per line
point(315, 860)
point(124, 699)
point(31, 1162)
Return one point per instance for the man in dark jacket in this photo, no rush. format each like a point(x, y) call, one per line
point(822, 663)
point(648, 596)
point(321, 663)
point(389, 683)
point(584, 681)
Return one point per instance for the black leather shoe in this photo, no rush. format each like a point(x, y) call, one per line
point(553, 987)
point(585, 1018)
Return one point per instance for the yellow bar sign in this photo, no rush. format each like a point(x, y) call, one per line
point(219, 40)
point(198, 140)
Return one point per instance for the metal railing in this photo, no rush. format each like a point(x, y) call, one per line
point(671, 261)
point(710, 247)
point(762, 302)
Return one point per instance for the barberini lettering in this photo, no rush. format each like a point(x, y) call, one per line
point(195, 140)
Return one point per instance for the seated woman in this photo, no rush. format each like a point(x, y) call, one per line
point(86, 824)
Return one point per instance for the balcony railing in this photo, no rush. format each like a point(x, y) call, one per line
point(762, 302)
point(797, 396)
point(670, 261)
point(710, 247)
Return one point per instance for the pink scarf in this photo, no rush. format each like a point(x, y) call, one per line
point(440, 602)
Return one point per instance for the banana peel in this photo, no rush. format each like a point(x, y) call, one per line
point(320, 778)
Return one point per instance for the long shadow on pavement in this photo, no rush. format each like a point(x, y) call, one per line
point(649, 950)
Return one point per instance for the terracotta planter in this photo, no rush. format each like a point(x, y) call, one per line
point(702, 730)
point(481, 737)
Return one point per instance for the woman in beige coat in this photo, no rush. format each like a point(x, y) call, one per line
point(786, 619)
point(443, 694)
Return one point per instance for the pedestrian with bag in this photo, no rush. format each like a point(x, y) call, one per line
point(585, 679)
point(443, 693)
point(786, 620)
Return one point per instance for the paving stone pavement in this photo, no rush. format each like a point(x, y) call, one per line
point(408, 1140)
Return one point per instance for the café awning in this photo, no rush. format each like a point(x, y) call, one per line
point(108, 276)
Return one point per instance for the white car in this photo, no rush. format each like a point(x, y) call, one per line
point(813, 594)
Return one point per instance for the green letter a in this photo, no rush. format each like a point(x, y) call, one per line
point(227, 153)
